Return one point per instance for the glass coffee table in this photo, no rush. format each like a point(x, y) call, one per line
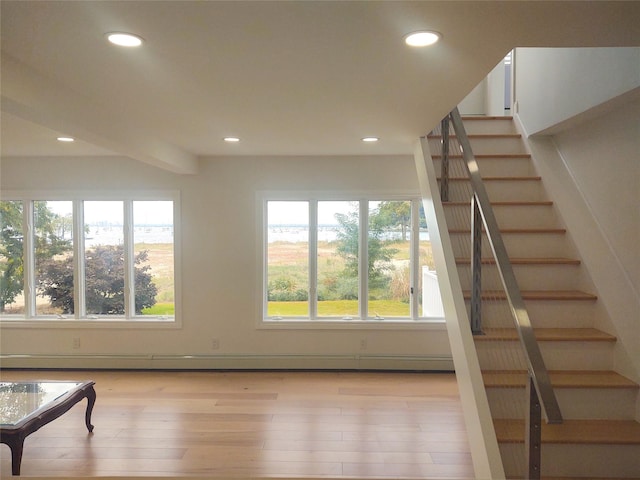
point(27, 406)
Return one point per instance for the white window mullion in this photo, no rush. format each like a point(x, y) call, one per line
point(28, 255)
point(79, 291)
point(129, 259)
point(363, 256)
point(414, 259)
point(265, 259)
point(313, 259)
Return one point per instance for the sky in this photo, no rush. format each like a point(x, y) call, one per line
point(297, 213)
point(144, 212)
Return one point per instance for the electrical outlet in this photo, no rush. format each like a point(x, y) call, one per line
point(363, 344)
point(75, 344)
point(215, 343)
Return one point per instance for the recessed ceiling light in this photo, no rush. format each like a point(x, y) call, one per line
point(66, 139)
point(231, 139)
point(422, 38)
point(370, 139)
point(124, 39)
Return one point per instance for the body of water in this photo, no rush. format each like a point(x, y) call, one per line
point(297, 233)
point(113, 234)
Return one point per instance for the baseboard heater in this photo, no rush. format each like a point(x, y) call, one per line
point(231, 362)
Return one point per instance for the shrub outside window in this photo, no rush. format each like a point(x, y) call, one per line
point(87, 259)
point(344, 260)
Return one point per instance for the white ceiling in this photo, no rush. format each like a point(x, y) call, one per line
point(287, 77)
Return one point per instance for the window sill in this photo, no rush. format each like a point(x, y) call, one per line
point(84, 323)
point(354, 324)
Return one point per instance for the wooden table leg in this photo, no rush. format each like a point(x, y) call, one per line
point(16, 447)
point(91, 400)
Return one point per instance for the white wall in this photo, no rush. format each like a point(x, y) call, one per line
point(220, 265)
point(556, 84)
point(475, 102)
point(495, 90)
point(488, 97)
point(591, 166)
point(603, 156)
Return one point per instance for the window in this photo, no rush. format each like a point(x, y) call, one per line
point(337, 259)
point(343, 260)
point(87, 259)
point(288, 249)
point(53, 255)
point(11, 257)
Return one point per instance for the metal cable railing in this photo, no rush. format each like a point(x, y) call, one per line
point(457, 164)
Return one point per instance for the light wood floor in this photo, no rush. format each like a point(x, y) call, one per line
point(254, 424)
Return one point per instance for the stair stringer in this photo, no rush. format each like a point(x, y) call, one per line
point(485, 452)
point(615, 290)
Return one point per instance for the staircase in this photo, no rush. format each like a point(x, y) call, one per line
point(599, 437)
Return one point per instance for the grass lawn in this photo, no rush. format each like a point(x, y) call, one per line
point(338, 308)
point(161, 261)
point(286, 260)
point(160, 309)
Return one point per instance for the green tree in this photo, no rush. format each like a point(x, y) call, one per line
point(104, 267)
point(47, 244)
point(395, 213)
point(63, 226)
point(348, 242)
point(11, 241)
point(379, 253)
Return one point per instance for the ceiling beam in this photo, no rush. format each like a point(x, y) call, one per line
point(33, 97)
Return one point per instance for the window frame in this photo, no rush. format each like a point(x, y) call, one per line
point(313, 321)
point(30, 320)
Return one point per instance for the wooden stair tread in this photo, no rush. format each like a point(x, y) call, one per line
point(525, 261)
point(482, 156)
point(513, 203)
point(486, 117)
point(480, 135)
point(560, 379)
point(515, 230)
point(548, 335)
point(589, 478)
point(579, 478)
point(537, 295)
point(518, 178)
point(611, 432)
